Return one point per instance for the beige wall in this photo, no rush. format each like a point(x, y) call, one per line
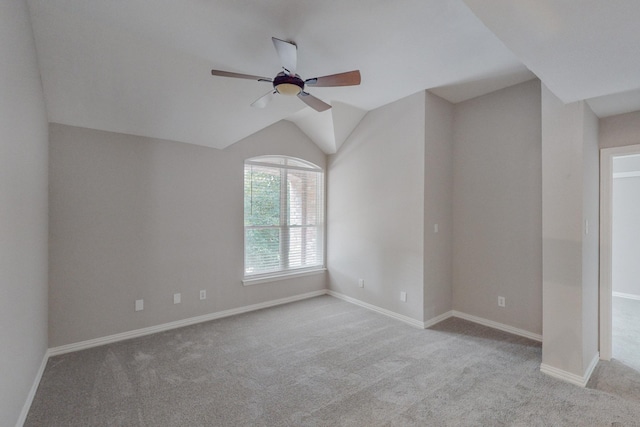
point(140, 218)
point(591, 236)
point(620, 130)
point(562, 233)
point(376, 209)
point(497, 216)
point(438, 206)
point(570, 197)
point(23, 212)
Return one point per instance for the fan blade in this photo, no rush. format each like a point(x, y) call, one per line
point(263, 100)
point(288, 53)
point(313, 102)
point(239, 76)
point(350, 78)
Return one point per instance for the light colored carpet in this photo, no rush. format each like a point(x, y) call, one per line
point(626, 331)
point(320, 362)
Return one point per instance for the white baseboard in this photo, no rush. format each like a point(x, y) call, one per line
point(568, 376)
point(497, 325)
point(32, 392)
point(68, 348)
point(623, 295)
point(55, 351)
point(591, 367)
point(389, 313)
point(483, 322)
point(444, 316)
point(82, 345)
point(440, 318)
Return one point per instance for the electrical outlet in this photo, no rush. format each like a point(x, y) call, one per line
point(403, 296)
point(361, 283)
point(176, 298)
point(139, 304)
point(501, 302)
point(203, 294)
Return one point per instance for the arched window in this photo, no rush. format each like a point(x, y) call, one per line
point(283, 216)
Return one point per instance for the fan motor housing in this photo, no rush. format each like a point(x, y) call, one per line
point(287, 84)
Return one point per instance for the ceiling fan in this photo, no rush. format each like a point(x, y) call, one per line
point(287, 82)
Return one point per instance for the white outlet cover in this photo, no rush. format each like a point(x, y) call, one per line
point(139, 304)
point(403, 296)
point(361, 283)
point(176, 298)
point(203, 294)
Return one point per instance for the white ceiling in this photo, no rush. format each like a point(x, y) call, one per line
point(580, 49)
point(142, 67)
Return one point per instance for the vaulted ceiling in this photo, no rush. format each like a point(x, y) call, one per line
point(143, 67)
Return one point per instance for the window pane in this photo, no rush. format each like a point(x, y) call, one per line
point(303, 247)
point(262, 250)
point(283, 215)
point(284, 161)
point(314, 251)
point(261, 195)
point(274, 160)
point(299, 163)
point(302, 188)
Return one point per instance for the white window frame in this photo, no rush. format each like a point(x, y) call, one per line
point(287, 272)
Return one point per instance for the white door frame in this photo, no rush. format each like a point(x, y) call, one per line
point(606, 210)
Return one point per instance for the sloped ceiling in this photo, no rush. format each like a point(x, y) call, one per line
point(581, 49)
point(142, 67)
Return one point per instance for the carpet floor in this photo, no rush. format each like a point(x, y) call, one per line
point(325, 362)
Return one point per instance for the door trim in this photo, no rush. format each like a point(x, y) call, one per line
point(606, 210)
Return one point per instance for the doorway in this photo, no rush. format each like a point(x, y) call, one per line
point(619, 255)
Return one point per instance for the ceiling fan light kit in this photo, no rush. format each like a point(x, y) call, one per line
point(288, 83)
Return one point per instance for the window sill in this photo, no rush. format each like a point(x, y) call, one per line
point(281, 276)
